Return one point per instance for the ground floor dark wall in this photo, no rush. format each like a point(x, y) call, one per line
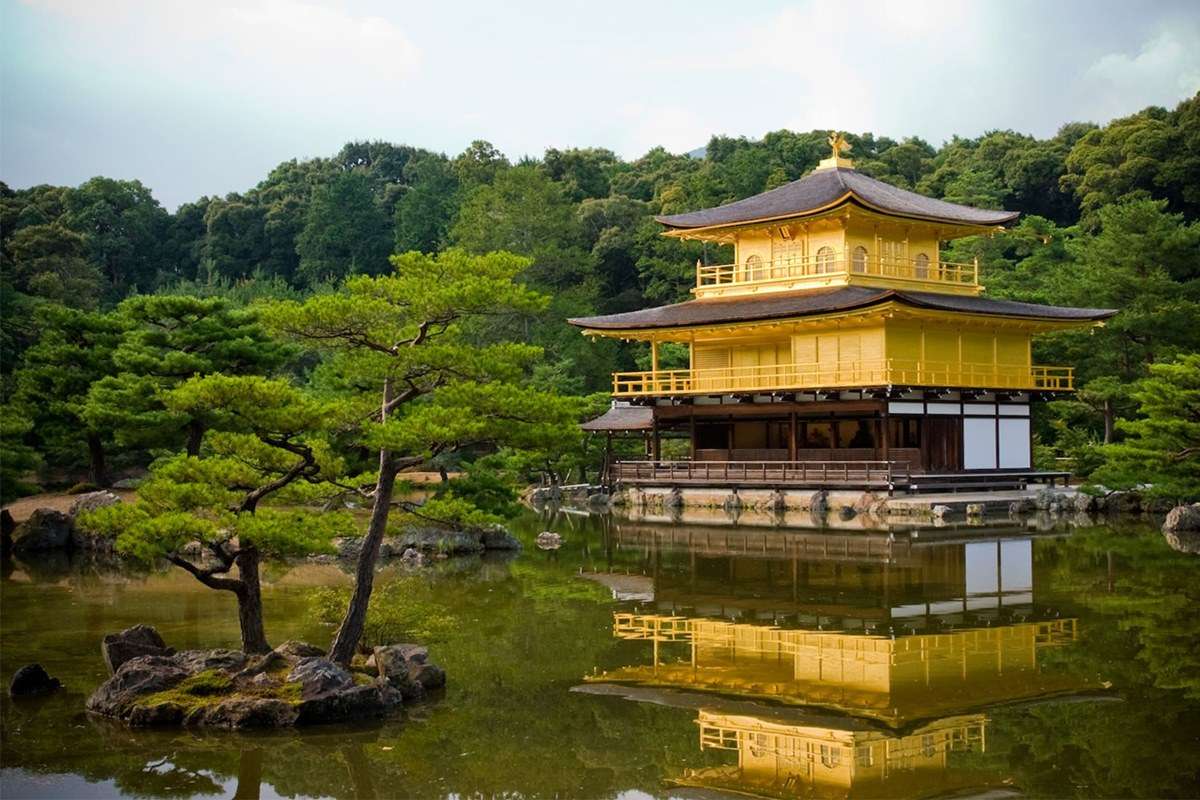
point(943, 435)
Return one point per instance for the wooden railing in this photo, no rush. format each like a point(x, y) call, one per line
point(879, 372)
point(833, 645)
point(840, 262)
point(884, 474)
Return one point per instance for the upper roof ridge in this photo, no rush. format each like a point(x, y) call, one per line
point(826, 188)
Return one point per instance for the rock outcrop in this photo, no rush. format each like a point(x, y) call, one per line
point(1181, 528)
point(433, 541)
point(294, 684)
point(31, 680)
point(1182, 518)
point(140, 640)
point(407, 668)
point(46, 529)
point(7, 527)
point(93, 501)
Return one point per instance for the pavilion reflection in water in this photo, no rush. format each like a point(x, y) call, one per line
point(877, 666)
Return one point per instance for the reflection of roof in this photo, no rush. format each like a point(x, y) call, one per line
point(624, 587)
point(826, 188)
point(824, 301)
point(622, 418)
point(717, 704)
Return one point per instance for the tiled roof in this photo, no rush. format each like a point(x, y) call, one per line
point(823, 187)
point(622, 418)
point(823, 301)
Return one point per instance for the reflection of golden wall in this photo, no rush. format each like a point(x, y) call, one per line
point(907, 677)
point(777, 755)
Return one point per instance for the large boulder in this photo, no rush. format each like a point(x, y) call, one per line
point(497, 537)
point(135, 679)
point(140, 640)
point(242, 713)
point(46, 529)
point(293, 650)
point(201, 660)
point(355, 702)
point(1182, 528)
point(317, 676)
point(1182, 518)
point(286, 655)
point(445, 541)
point(93, 501)
point(7, 526)
point(31, 680)
point(407, 668)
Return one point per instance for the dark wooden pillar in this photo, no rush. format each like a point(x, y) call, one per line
point(655, 446)
point(692, 432)
point(792, 436)
point(606, 470)
point(885, 434)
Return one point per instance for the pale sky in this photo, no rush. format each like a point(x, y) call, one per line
point(205, 97)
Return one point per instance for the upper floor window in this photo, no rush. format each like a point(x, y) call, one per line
point(755, 269)
point(859, 261)
point(825, 260)
point(921, 266)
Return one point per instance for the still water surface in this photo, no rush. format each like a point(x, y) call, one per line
point(684, 660)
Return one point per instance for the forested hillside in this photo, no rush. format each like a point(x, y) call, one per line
point(1109, 218)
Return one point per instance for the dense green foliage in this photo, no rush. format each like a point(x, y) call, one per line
point(1110, 218)
point(1165, 441)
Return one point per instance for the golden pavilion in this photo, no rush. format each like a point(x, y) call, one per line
point(839, 347)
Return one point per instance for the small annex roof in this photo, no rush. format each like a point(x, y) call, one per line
point(824, 301)
point(621, 418)
point(825, 188)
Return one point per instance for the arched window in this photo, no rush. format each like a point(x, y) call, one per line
point(921, 266)
point(859, 260)
point(755, 269)
point(825, 260)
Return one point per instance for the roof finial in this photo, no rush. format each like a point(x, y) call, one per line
point(837, 144)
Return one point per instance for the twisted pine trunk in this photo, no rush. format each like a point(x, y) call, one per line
point(351, 629)
point(345, 642)
point(250, 609)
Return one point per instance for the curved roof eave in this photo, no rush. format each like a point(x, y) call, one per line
point(824, 189)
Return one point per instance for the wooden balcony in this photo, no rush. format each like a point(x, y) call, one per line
point(863, 374)
point(835, 268)
point(817, 474)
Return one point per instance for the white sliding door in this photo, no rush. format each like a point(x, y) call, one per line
point(1014, 444)
point(979, 443)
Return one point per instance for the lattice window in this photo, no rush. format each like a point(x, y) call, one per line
point(859, 261)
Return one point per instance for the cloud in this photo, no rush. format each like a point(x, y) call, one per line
point(268, 50)
point(1166, 67)
point(677, 129)
point(820, 68)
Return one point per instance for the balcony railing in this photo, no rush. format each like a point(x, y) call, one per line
point(837, 263)
point(881, 372)
point(868, 474)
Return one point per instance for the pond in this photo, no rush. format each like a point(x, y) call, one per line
point(698, 659)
